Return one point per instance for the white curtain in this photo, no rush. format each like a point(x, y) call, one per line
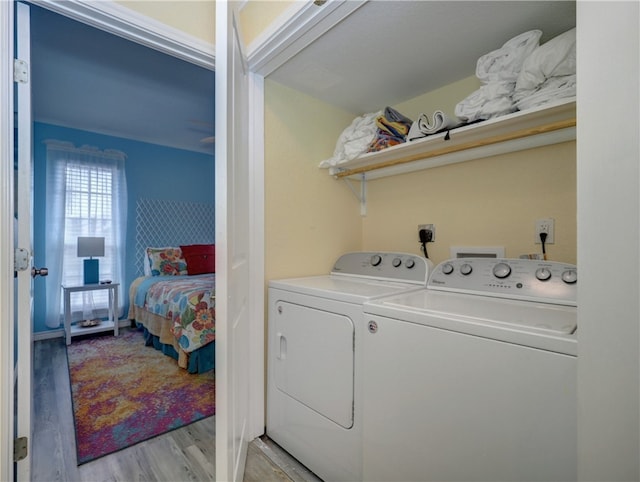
point(86, 196)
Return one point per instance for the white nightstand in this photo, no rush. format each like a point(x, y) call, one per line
point(110, 324)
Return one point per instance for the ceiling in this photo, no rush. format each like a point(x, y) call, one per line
point(88, 79)
point(391, 51)
point(384, 53)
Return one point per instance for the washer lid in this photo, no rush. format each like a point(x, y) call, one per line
point(342, 288)
point(541, 325)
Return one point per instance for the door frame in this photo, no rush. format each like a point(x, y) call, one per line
point(7, 332)
point(23, 295)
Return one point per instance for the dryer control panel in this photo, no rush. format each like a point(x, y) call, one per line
point(521, 279)
point(378, 265)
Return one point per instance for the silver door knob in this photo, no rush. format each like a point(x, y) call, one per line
point(42, 272)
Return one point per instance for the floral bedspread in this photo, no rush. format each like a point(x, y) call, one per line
point(189, 302)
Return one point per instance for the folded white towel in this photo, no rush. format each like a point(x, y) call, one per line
point(354, 140)
point(555, 58)
point(498, 71)
point(505, 63)
point(426, 126)
point(553, 89)
point(490, 100)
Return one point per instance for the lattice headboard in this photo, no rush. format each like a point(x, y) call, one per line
point(171, 223)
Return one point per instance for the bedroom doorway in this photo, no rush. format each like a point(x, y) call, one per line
point(54, 72)
point(115, 18)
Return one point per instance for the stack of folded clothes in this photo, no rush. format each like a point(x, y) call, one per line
point(392, 129)
point(354, 140)
point(498, 71)
point(369, 133)
point(521, 75)
point(549, 73)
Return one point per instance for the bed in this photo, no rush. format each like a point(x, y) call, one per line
point(174, 304)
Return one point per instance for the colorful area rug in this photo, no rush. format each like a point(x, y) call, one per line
point(124, 392)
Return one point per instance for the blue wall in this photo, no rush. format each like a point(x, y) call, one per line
point(153, 172)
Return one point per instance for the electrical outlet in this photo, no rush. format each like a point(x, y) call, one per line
point(429, 227)
point(545, 225)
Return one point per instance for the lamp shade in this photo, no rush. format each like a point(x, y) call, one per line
point(89, 247)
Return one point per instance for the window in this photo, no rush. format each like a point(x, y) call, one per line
point(88, 212)
point(86, 196)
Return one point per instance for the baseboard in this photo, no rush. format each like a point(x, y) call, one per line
point(59, 333)
point(47, 335)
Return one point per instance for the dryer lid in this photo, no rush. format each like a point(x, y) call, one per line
point(342, 288)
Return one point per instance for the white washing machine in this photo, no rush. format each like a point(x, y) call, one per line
point(474, 377)
point(314, 395)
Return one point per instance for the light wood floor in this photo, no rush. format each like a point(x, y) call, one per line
point(185, 454)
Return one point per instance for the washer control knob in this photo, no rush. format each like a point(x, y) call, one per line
point(501, 270)
point(396, 262)
point(410, 263)
point(543, 274)
point(376, 259)
point(466, 269)
point(447, 268)
point(570, 276)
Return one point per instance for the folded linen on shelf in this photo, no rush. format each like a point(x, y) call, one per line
point(382, 141)
point(392, 129)
point(498, 71)
point(426, 126)
point(490, 100)
point(505, 63)
point(354, 140)
point(553, 89)
point(548, 73)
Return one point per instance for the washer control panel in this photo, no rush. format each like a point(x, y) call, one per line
point(521, 279)
point(404, 267)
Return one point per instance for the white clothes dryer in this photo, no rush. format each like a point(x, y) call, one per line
point(474, 377)
point(314, 394)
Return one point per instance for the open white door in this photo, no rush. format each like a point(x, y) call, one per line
point(24, 287)
point(239, 251)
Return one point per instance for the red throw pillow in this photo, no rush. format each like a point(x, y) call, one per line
point(201, 258)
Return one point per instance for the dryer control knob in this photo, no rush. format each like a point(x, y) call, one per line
point(466, 269)
point(570, 276)
point(543, 274)
point(396, 262)
point(501, 270)
point(376, 259)
point(447, 268)
point(410, 263)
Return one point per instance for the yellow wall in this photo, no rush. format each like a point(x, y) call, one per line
point(195, 17)
point(256, 16)
point(310, 218)
point(486, 202)
point(444, 99)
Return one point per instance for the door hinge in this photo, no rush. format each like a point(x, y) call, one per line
point(20, 449)
point(20, 71)
point(21, 259)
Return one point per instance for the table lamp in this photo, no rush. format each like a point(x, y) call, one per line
point(90, 247)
